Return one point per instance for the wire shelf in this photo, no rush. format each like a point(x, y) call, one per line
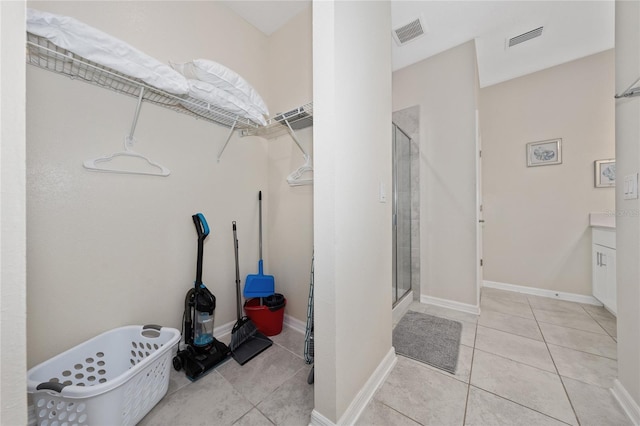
point(298, 118)
point(46, 55)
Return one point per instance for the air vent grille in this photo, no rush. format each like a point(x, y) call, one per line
point(525, 37)
point(408, 32)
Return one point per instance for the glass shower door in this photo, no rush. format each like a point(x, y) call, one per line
point(401, 214)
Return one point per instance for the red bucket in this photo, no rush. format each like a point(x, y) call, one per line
point(268, 316)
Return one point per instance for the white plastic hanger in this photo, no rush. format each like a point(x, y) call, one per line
point(296, 177)
point(95, 163)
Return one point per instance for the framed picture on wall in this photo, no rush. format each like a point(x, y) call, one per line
point(605, 173)
point(544, 153)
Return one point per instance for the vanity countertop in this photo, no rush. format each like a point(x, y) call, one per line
point(602, 220)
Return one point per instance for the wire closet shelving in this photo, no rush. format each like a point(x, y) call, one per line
point(42, 53)
point(46, 55)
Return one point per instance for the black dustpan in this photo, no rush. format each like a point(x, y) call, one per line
point(251, 347)
point(246, 340)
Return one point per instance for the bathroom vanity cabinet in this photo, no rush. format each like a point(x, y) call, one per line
point(604, 266)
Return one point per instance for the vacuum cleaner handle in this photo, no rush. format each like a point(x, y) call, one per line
point(202, 227)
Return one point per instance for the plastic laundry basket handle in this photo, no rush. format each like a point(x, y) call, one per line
point(153, 326)
point(54, 386)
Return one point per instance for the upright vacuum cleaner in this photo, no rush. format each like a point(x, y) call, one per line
point(203, 351)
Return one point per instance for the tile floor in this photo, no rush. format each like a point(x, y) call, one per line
point(526, 360)
point(270, 389)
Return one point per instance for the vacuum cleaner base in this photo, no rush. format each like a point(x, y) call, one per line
point(197, 363)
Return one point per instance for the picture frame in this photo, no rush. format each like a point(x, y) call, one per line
point(544, 153)
point(605, 173)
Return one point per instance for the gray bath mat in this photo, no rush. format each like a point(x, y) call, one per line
point(432, 340)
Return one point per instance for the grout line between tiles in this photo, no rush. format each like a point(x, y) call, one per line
point(401, 413)
point(258, 410)
point(518, 403)
point(508, 332)
point(515, 334)
point(518, 362)
point(579, 329)
point(573, 328)
point(290, 351)
point(436, 369)
point(556, 367)
point(596, 320)
point(473, 353)
point(581, 351)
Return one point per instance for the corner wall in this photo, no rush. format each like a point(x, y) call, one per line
point(536, 230)
point(444, 86)
point(352, 228)
point(13, 360)
point(290, 226)
point(628, 217)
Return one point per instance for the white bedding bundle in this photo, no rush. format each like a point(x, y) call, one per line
point(103, 49)
point(216, 84)
point(201, 79)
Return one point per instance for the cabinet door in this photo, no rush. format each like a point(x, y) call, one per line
point(609, 263)
point(599, 274)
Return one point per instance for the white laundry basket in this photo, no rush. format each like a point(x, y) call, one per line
point(115, 378)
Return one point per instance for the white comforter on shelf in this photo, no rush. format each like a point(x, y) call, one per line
point(101, 48)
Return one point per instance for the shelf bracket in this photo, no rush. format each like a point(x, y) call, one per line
point(631, 91)
point(137, 113)
point(228, 139)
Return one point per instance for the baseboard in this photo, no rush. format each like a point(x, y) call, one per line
point(402, 307)
point(318, 419)
point(627, 403)
point(295, 324)
point(221, 331)
point(450, 304)
point(363, 397)
point(560, 295)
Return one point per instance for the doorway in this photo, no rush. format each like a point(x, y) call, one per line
point(401, 214)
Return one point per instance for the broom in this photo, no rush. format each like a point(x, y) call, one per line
point(243, 329)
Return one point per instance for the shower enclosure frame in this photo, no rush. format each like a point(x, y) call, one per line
point(401, 265)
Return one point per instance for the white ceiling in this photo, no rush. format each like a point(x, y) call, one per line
point(572, 29)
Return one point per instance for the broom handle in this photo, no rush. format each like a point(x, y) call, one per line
point(235, 247)
point(260, 220)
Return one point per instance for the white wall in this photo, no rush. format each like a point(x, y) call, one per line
point(105, 250)
point(628, 219)
point(13, 407)
point(290, 226)
point(536, 230)
point(352, 229)
point(445, 88)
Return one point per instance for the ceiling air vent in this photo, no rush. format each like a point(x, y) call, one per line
point(408, 32)
point(525, 37)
